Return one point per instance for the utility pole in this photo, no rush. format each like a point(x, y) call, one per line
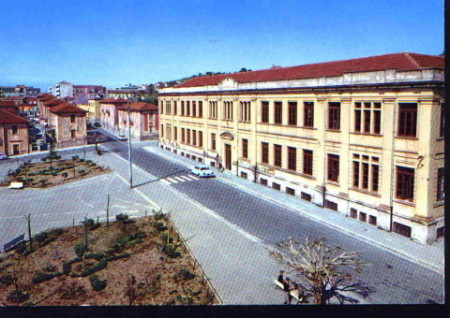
point(28, 218)
point(129, 146)
point(107, 212)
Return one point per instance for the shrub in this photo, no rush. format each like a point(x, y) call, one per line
point(50, 268)
point(80, 249)
point(185, 300)
point(159, 215)
point(41, 237)
point(95, 268)
point(122, 217)
point(165, 237)
point(128, 221)
point(17, 296)
point(160, 226)
point(96, 256)
point(6, 280)
point(57, 231)
point(88, 222)
point(139, 234)
point(81, 171)
point(186, 274)
point(96, 283)
point(170, 251)
point(115, 257)
point(74, 158)
point(81, 160)
point(42, 277)
point(64, 174)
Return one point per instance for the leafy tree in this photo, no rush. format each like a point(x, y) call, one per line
point(323, 271)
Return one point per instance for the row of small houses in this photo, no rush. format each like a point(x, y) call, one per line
point(66, 122)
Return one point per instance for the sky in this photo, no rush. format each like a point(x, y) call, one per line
point(116, 42)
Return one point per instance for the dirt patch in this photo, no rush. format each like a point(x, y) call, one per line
point(131, 262)
point(53, 172)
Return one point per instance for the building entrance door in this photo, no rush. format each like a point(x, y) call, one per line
point(228, 157)
point(16, 149)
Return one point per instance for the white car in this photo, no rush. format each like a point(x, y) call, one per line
point(202, 171)
point(3, 156)
point(122, 138)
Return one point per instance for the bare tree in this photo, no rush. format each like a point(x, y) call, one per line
point(323, 271)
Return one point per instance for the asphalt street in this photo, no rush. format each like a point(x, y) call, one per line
point(395, 279)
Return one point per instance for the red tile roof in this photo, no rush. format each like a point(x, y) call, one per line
point(140, 106)
point(66, 108)
point(9, 118)
point(397, 61)
point(54, 102)
point(7, 103)
point(46, 98)
point(114, 101)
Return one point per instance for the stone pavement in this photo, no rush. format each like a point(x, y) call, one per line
point(430, 256)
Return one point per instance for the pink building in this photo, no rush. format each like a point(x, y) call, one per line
point(143, 120)
point(13, 134)
point(109, 112)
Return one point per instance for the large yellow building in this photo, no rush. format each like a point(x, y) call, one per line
point(363, 137)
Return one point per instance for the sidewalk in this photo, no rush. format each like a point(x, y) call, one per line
point(430, 256)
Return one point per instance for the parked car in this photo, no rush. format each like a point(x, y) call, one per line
point(3, 156)
point(122, 138)
point(202, 171)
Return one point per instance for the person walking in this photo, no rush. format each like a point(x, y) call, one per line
point(287, 291)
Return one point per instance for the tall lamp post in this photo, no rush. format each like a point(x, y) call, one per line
point(129, 146)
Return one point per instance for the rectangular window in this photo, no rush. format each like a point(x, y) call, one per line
point(290, 191)
point(213, 110)
point(276, 186)
point(175, 133)
point(407, 120)
point(72, 134)
point(334, 115)
point(228, 111)
point(333, 167)
point(72, 119)
point(402, 229)
point(353, 213)
point(305, 196)
point(194, 109)
point(292, 158)
point(308, 119)
point(183, 135)
point(213, 141)
point(292, 113)
point(188, 108)
point(307, 162)
point(263, 181)
point(162, 131)
point(200, 109)
point(244, 111)
point(405, 184)
point(161, 107)
point(377, 118)
point(365, 175)
point(278, 112)
point(362, 216)
point(372, 220)
point(264, 112)
point(331, 205)
point(367, 121)
point(200, 138)
point(356, 174)
point(440, 184)
point(264, 152)
point(182, 108)
point(14, 129)
point(188, 133)
point(175, 107)
point(357, 117)
point(244, 148)
point(277, 155)
point(375, 177)
point(194, 137)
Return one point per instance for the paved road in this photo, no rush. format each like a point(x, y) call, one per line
point(395, 279)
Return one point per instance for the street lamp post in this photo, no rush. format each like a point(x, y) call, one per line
point(129, 147)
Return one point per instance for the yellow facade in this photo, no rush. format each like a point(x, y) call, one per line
point(369, 161)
